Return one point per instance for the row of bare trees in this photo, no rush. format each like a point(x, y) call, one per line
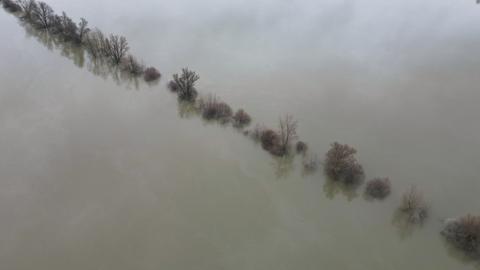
point(211, 108)
point(112, 48)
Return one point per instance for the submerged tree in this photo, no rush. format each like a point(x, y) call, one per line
point(82, 30)
point(270, 141)
point(151, 74)
point(414, 206)
point(69, 28)
point(241, 119)
point(310, 163)
point(11, 6)
point(301, 147)
point(213, 108)
point(28, 7)
point(287, 133)
point(42, 15)
point(93, 43)
point(62, 31)
point(115, 47)
point(464, 234)
point(130, 65)
point(185, 84)
point(341, 164)
point(378, 188)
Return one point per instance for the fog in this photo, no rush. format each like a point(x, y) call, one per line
point(101, 174)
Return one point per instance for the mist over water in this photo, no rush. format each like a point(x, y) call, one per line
point(96, 174)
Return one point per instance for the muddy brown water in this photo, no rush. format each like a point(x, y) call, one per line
point(97, 175)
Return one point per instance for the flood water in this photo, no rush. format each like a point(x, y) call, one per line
point(100, 174)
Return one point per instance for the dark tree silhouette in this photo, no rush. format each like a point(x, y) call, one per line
point(62, 32)
point(271, 142)
point(241, 119)
point(65, 27)
point(116, 47)
point(42, 15)
point(185, 84)
point(11, 6)
point(341, 164)
point(378, 188)
point(151, 74)
point(82, 30)
point(287, 132)
point(28, 7)
point(301, 147)
point(131, 65)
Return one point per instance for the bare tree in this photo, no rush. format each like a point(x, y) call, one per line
point(130, 65)
point(288, 132)
point(116, 48)
point(28, 7)
point(82, 30)
point(42, 15)
point(185, 84)
point(68, 27)
point(94, 43)
point(414, 205)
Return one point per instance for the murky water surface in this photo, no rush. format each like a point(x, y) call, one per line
point(100, 174)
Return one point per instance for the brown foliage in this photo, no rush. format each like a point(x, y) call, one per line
point(130, 65)
point(341, 164)
point(213, 108)
point(464, 233)
point(241, 119)
point(173, 86)
point(270, 141)
point(151, 74)
point(378, 188)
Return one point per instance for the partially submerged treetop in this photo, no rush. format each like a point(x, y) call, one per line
point(342, 165)
point(414, 206)
point(287, 132)
point(464, 234)
point(117, 47)
point(186, 84)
